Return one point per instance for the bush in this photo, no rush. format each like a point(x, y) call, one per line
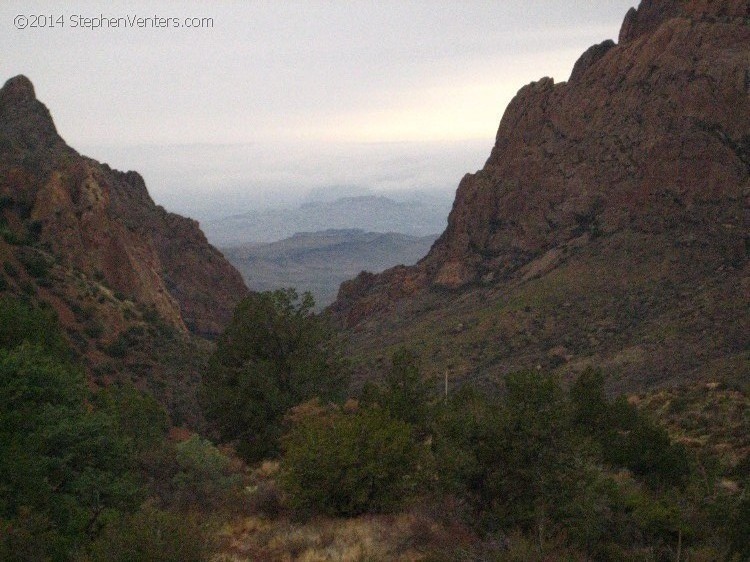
point(204, 477)
point(118, 348)
point(627, 438)
point(405, 394)
point(20, 322)
point(36, 264)
point(59, 459)
point(10, 269)
point(139, 418)
point(347, 464)
point(151, 535)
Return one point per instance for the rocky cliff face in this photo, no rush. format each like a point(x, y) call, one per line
point(102, 224)
point(648, 134)
point(648, 140)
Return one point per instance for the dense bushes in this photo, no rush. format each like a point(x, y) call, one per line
point(533, 458)
point(63, 466)
point(152, 535)
point(343, 463)
point(625, 437)
point(204, 477)
point(76, 465)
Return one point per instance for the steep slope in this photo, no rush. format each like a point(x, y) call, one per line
point(319, 261)
point(609, 224)
point(102, 224)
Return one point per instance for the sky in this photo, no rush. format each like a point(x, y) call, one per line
point(261, 102)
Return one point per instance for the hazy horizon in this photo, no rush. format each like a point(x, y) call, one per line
point(184, 178)
point(274, 100)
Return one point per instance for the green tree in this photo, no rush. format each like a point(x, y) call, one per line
point(137, 416)
point(204, 478)
point(274, 354)
point(404, 394)
point(531, 462)
point(514, 456)
point(625, 436)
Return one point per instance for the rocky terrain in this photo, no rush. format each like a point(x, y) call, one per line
point(87, 218)
point(319, 262)
point(137, 289)
point(609, 225)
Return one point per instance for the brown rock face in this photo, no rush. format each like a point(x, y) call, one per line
point(610, 207)
point(652, 134)
point(104, 224)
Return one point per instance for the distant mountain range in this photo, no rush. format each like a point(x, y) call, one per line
point(320, 261)
point(422, 216)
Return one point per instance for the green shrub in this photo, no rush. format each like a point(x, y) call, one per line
point(31, 536)
point(347, 464)
point(204, 477)
point(118, 348)
point(37, 265)
point(405, 394)
point(93, 329)
point(151, 535)
point(137, 415)
point(21, 322)
point(627, 438)
point(59, 459)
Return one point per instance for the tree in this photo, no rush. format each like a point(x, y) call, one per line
point(275, 354)
point(405, 394)
point(626, 437)
point(514, 456)
point(20, 322)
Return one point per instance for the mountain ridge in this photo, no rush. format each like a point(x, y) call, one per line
point(641, 156)
point(319, 261)
point(104, 224)
point(374, 213)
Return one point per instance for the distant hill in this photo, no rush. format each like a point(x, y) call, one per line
point(320, 261)
point(421, 216)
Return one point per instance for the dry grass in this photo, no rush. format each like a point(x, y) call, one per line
point(269, 532)
point(403, 537)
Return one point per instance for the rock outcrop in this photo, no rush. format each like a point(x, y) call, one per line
point(648, 134)
point(103, 223)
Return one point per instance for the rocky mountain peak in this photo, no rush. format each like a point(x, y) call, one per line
point(652, 13)
point(23, 118)
point(643, 156)
point(17, 90)
point(102, 224)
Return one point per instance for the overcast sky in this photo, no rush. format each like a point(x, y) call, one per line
point(293, 81)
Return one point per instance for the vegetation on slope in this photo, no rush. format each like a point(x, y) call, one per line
point(530, 470)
